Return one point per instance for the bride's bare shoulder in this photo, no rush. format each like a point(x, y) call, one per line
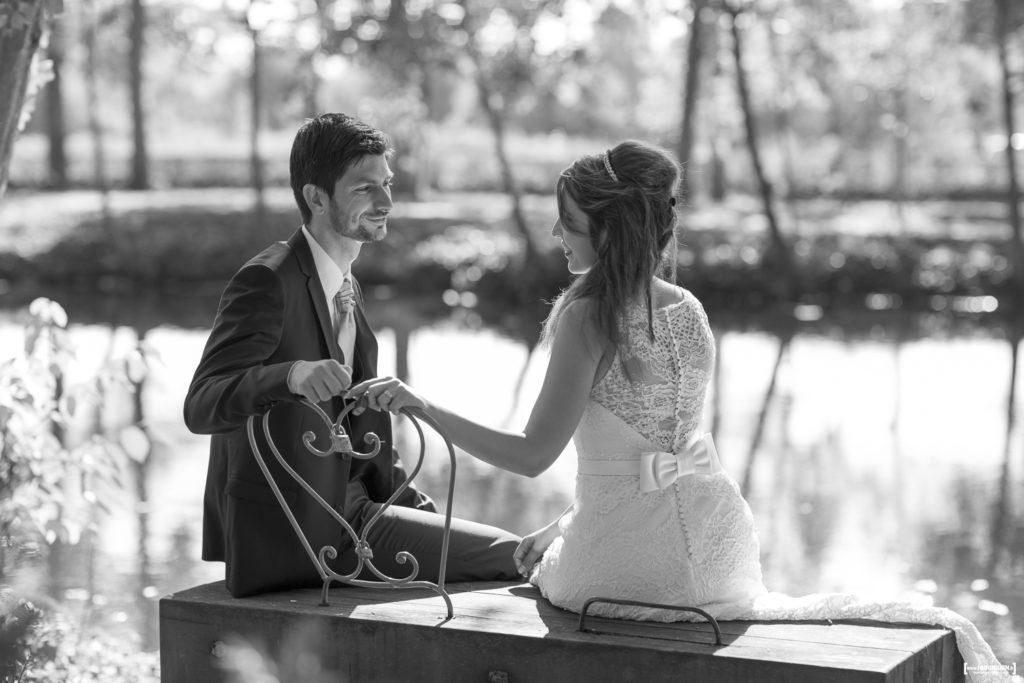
point(664, 294)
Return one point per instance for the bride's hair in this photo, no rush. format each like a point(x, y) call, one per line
point(628, 195)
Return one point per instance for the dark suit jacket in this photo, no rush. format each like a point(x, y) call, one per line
point(273, 312)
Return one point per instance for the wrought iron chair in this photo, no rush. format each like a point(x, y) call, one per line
point(341, 443)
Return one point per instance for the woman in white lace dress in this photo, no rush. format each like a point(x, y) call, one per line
point(655, 517)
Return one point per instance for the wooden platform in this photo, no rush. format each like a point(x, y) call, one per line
point(507, 633)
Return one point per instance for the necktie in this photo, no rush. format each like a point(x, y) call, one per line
point(345, 320)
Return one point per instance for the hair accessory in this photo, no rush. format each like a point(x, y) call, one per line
point(608, 166)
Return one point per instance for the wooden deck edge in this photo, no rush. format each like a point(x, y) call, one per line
point(360, 638)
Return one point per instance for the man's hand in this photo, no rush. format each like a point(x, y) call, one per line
point(319, 380)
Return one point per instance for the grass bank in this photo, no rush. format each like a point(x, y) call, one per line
point(869, 254)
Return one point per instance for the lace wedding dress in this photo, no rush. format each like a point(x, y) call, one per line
point(656, 519)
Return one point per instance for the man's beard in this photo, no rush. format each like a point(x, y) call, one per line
point(358, 232)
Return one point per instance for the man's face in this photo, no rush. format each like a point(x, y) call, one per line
point(362, 200)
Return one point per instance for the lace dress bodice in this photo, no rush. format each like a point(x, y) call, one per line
point(657, 386)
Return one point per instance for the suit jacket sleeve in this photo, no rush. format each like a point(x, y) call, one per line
point(235, 378)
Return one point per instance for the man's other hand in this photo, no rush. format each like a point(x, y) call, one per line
point(319, 380)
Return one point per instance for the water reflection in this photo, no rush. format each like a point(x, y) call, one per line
point(1001, 525)
point(878, 452)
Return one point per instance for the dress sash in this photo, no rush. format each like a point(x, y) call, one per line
point(658, 469)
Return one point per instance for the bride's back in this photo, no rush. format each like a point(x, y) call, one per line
point(657, 386)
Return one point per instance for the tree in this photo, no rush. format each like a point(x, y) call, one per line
point(254, 16)
point(1005, 23)
point(494, 102)
point(56, 130)
point(443, 36)
point(694, 55)
point(139, 178)
point(256, 92)
point(90, 23)
point(787, 283)
point(417, 51)
point(22, 26)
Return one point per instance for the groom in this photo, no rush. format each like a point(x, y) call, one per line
point(290, 325)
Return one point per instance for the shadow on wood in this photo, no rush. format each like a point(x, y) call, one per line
point(508, 632)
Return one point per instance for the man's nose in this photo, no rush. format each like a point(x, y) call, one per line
point(384, 202)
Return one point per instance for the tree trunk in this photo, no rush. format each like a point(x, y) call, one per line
point(18, 45)
point(99, 158)
point(692, 85)
point(1000, 525)
point(56, 128)
point(1009, 104)
point(139, 179)
point(781, 248)
point(311, 78)
point(898, 190)
point(256, 93)
point(497, 124)
point(783, 130)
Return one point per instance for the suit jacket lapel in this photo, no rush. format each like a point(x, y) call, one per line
point(301, 250)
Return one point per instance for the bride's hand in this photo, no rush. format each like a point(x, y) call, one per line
point(532, 547)
point(384, 393)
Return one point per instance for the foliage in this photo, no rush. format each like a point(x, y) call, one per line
point(50, 491)
point(44, 646)
point(852, 97)
point(47, 488)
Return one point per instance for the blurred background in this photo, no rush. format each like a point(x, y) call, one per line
point(851, 221)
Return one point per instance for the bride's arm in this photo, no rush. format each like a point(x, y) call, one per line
point(575, 356)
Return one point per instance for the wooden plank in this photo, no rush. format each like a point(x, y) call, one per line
point(368, 634)
point(905, 637)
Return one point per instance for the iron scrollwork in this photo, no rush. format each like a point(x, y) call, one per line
point(341, 443)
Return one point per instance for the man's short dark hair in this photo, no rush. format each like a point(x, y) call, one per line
point(325, 147)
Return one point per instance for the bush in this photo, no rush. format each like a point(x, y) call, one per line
point(50, 492)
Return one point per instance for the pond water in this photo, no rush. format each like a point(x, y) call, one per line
point(880, 452)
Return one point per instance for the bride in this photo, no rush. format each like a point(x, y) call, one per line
point(655, 517)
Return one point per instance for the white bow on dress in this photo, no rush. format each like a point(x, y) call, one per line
point(658, 469)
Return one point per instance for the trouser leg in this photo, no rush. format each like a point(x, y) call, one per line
point(476, 552)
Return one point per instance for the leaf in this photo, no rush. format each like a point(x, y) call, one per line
point(135, 442)
point(73, 530)
point(68, 405)
point(48, 311)
point(136, 367)
point(150, 352)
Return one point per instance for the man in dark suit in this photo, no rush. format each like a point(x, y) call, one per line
point(290, 325)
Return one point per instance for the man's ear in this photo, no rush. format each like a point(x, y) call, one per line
point(316, 199)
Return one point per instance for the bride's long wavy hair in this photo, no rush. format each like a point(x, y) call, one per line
point(628, 195)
